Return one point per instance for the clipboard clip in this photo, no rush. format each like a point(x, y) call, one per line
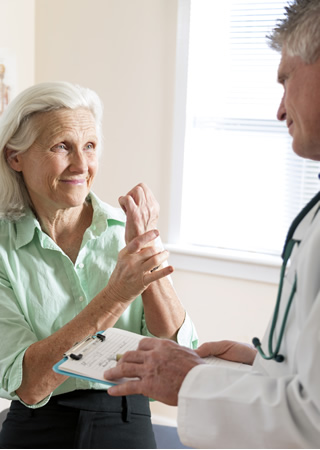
point(72, 352)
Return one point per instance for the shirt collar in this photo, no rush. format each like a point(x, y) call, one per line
point(102, 215)
point(25, 229)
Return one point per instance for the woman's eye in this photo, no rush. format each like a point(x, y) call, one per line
point(89, 146)
point(59, 148)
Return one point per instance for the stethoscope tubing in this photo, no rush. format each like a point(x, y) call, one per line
point(287, 251)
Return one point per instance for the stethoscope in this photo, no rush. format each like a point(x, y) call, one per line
point(287, 251)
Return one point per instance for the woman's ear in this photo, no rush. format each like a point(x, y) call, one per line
point(13, 159)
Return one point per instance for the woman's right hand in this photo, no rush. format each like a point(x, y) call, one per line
point(133, 272)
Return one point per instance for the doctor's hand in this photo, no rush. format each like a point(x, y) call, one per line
point(229, 350)
point(160, 366)
point(142, 210)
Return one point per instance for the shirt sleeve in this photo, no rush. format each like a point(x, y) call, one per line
point(18, 337)
point(187, 334)
point(220, 407)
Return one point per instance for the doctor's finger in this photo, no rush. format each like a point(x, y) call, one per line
point(127, 388)
point(133, 356)
point(208, 349)
point(152, 343)
point(123, 369)
point(230, 350)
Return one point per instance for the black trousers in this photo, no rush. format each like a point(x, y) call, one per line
point(80, 419)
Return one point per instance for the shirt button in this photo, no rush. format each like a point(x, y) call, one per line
point(81, 266)
point(81, 298)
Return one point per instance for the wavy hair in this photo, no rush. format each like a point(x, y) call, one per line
point(18, 131)
point(299, 31)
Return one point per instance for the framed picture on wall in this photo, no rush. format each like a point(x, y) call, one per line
point(8, 77)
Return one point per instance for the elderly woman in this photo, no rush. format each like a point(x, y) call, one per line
point(70, 265)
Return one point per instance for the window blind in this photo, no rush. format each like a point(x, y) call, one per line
point(242, 183)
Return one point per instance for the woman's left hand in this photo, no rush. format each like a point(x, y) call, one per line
point(142, 210)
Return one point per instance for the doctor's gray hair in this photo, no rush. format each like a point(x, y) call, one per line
point(299, 32)
point(19, 130)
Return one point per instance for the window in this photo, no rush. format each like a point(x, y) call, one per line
point(241, 183)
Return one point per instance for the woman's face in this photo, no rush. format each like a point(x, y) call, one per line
point(59, 167)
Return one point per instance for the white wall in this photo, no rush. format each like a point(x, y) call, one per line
point(17, 38)
point(17, 35)
point(125, 50)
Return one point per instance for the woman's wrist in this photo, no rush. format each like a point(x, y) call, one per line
point(111, 307)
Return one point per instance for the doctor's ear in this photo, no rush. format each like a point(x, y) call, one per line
point(13, 158)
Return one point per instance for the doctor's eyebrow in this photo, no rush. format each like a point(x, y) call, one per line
point(280, 75)
point(281, 78)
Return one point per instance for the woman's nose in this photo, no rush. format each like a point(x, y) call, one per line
point(78, 161)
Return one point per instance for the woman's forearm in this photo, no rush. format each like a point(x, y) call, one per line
point(39, 380)
point(164, 313)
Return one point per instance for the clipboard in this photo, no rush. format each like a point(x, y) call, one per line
point(91, 357)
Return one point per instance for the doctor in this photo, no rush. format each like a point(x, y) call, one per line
point(276, 402)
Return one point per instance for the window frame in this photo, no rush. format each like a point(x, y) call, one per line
point(214, 261)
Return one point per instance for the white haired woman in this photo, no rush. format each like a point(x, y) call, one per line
point(71, 265)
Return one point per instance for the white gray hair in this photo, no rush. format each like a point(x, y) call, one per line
point(299, 31)
point(18, 131)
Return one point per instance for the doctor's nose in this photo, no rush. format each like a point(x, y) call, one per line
point(281, 114)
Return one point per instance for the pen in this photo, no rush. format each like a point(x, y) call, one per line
point(119, 356)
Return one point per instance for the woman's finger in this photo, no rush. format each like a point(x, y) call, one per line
point(138, 195)
point(153, 260)
point(141, 241)
point(157, 275)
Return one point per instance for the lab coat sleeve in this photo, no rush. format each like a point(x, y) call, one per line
point(219, 407)
point(223, 408)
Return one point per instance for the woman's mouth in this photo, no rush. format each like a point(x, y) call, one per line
point(77, 181)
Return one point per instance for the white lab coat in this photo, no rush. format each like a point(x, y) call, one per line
point(272, 405)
